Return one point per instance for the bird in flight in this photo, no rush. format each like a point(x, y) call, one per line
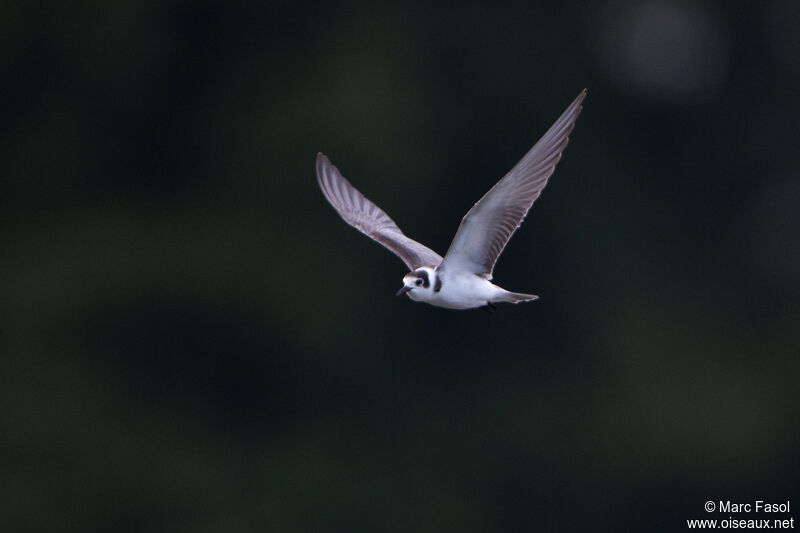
point(462, 279)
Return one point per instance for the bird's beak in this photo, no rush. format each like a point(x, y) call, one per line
point(403, 290)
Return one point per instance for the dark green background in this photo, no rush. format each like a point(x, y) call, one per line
point(193, 341)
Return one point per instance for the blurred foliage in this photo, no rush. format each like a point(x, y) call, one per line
point(193, 341)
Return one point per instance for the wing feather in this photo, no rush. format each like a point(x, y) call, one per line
point(370, 219)
point(487, 227)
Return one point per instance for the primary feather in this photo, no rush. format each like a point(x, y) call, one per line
point(369, 219)
point(487, 227)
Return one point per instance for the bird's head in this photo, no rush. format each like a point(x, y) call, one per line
point(417, 282)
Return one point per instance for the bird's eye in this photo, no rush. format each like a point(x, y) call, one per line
point(418, 282)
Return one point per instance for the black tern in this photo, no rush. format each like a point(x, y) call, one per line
point(460, 280)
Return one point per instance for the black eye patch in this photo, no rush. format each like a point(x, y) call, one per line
point(423, 275)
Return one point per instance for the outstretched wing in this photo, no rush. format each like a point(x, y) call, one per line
point(487, 227)
point(370, 219)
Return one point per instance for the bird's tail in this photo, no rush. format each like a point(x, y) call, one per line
point(515, 297)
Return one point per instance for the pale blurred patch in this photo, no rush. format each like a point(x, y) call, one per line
point(673, 52)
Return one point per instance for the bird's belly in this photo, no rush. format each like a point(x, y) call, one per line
point(463, 293)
